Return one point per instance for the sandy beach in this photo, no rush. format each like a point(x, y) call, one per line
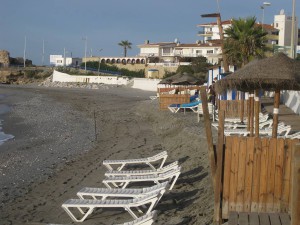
point(63, 135)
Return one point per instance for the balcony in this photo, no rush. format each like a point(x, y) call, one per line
point(206, 34)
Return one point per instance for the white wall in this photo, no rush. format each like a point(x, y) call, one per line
point(63, 77)
point(145, 84)
point(292, 100)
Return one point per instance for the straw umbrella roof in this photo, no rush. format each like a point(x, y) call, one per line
point(278, 72)
point(181, 79)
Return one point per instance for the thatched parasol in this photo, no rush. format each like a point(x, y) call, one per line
point(181, 79)
point(274, 73)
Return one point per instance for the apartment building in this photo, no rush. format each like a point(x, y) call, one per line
point(174, 52)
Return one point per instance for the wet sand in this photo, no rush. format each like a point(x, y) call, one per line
point(63, 135)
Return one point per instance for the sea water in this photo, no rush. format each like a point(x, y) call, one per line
point(4, 109)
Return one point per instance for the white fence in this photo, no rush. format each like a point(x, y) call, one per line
point(145, 84)
point(63, 77)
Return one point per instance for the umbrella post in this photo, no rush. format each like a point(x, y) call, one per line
point(242, 98)
point(251, 113)
point(256, 106)
point(275, 113)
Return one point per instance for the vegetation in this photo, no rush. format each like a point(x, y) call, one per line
point(199, 68)
point(126, 45)
point(244, 41)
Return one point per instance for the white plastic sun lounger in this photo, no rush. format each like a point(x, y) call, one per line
point(147, 219)
point(161, 156)
point(108, 193)
point(267, 123)
point(122, 181)
point(164, 169)
point(293, 136)
point(267, 131)
point(90, 204)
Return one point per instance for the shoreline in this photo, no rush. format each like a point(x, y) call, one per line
point(129, 125)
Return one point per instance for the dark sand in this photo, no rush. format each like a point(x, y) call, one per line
point(63, 135)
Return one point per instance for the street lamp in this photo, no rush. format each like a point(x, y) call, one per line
point(263, 13)
point(24, 57)
point(293, 31)
point(65, 57)
point(99, 61)
point(85, 48)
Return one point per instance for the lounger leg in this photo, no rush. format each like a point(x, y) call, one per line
point(108, 167)
point(131, 212)
point(149, 164)
point(174, 181)
point(125, 185)
point(107, 185)
point(163, 162)
point(153, 203)
point(74, 218)
point(121, 167)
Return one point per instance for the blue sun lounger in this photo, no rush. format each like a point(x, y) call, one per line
point(174, 108)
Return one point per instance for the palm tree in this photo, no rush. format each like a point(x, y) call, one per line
point(126, 45)
point(244, 41)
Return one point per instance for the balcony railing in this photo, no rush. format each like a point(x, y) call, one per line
point(203, 33)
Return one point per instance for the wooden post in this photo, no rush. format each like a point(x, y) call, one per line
point(242, 98)
point(295, 198)
point(209, 138)
point(218, 177)
point(256, 106)
point(275, 113)
point(248, 112)
point(251, 113)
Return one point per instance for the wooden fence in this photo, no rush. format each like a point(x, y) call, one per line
point(232, 108)
point(166, 99)
point(256, 175)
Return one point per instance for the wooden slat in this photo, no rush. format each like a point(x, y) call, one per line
point(285, 219)
point(256, 175)
point(234, 174)
point(274, 219)
point(295, 192)
point(226, 182)
point(278, 174)
point(285, 195)
point(241, 175)
point(264, 219)
point(218, 176)
point(233, 218)
point(253, 219)
point(271, 174)
point(263, 176)
point(248, 174)
point(243, 218)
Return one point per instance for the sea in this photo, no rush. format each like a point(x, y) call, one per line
point(3, 109)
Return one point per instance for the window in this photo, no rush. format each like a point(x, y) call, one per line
point(276, 25)
point(210, 51)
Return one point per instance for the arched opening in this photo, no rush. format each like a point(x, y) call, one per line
point(138, 61)
point(102, 60)
point(123, 61)
point(128, 60)
point(118, 61)
point(107, 60)
point(143, 61)
point(133, 61)
point(113, 61)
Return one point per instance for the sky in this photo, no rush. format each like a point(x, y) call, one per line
point(64, 24)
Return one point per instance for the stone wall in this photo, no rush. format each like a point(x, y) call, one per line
point(4, 58)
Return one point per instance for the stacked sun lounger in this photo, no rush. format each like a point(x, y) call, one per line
point(117, 195)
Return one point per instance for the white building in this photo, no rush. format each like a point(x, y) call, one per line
point(172, 52)
point(279, 33)
point(283, 23)
point(59, 60)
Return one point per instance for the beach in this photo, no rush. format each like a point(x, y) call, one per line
point(62, 136)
